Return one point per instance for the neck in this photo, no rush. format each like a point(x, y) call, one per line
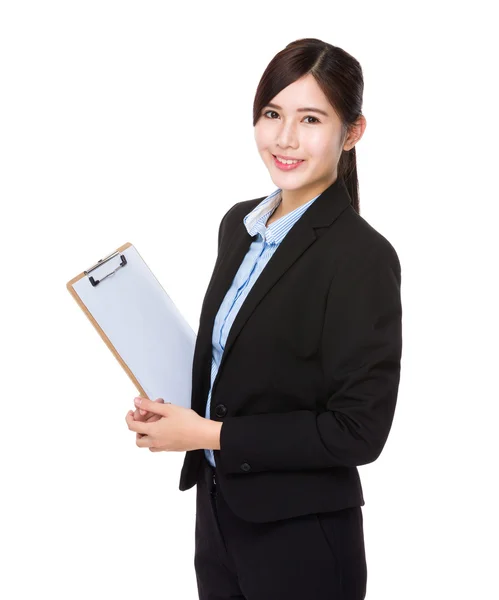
point(292, 199)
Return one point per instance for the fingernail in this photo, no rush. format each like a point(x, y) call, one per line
point(138, 401)
point(142, 411)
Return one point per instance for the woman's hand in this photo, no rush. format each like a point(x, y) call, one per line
point(146, 417)
point(168, 427)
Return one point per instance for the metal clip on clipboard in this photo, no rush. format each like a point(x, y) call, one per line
point(99, 263)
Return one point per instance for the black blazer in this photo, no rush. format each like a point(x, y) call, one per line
point(309, 377)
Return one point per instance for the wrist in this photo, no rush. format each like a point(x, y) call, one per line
point(211, 434)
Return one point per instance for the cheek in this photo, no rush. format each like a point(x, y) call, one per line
point(260, 137)
point(264, 136)
point(324, 154)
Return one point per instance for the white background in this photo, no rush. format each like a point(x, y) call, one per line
point(132, 121)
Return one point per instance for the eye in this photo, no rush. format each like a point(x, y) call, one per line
point(269, 111)
point(275, 113)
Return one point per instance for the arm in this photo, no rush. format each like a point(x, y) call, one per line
point(361, 352)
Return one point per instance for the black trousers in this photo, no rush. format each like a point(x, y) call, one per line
point(319, 556)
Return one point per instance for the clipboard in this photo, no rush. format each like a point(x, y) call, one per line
point(139, 323)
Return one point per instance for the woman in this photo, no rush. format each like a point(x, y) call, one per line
point(297, 360)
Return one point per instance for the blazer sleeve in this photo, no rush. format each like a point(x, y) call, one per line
point(361, 354)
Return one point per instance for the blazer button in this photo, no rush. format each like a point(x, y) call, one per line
point(245, 467)
point(220, 410)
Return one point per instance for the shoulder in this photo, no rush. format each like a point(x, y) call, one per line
point(237, 212)
point(240, 209)
point(360, 245)
point(235, 215)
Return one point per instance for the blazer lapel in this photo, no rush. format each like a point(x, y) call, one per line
point(321, 213)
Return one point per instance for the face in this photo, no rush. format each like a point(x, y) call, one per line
point(285, 129)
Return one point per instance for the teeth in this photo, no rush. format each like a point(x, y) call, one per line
point(287, 162)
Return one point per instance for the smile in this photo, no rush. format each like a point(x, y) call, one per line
point(286, 165)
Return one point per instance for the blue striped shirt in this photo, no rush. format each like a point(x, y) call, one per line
point(260, 252)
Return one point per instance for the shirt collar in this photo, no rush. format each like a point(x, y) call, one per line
point(255, 221)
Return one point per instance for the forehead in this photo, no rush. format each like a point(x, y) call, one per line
point(304, 93)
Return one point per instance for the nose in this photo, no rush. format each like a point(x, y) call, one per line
point(287, 136)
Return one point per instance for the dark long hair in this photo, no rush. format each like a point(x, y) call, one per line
point(339, 76)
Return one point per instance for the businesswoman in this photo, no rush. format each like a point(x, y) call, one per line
point(297, 359)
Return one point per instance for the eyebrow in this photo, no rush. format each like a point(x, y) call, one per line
point(305, 109)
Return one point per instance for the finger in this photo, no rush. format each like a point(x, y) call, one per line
point(153, 418)
point(156, 407)
point(137, 426)
point(132, 415)
point(144, 412)
point(145, 441)
point(137, 416)
point(149, 418)
point(142, 415)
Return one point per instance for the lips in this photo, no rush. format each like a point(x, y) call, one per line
point(287, 167)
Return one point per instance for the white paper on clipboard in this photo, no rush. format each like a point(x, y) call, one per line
point(147, 332)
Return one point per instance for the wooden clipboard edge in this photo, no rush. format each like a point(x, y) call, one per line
point(105, 339)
